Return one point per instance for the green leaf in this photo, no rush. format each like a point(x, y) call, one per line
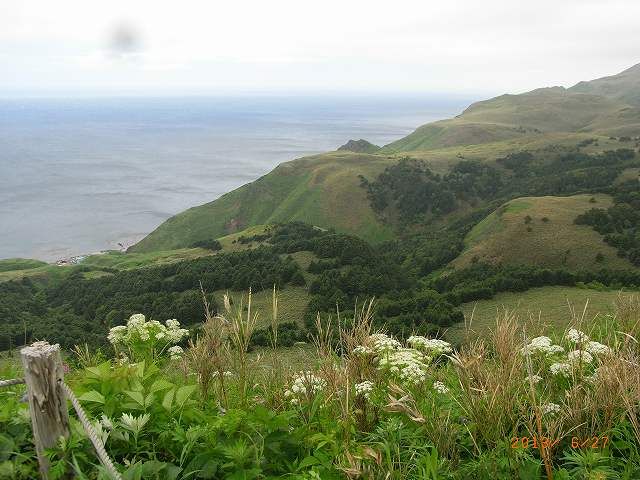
point(92, 396)
point(136, 396)
point(308, 462)
point(160, 384)
point(183, 393)
point(148, 401)
point(167, 401)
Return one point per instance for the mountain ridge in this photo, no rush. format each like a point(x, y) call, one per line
point(324, 189)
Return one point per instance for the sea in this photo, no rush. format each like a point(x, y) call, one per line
point(82, 175)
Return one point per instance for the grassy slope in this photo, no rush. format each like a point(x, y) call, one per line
point(503, 236)
point(321, 190)
point(540, 308)
point(324, 189)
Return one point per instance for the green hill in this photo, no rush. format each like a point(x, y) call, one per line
point(541, 231)
point(322, 190)
point(325, 190)
point(624, 86)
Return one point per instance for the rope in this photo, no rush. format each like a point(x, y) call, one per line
point(13, 381)
point(92, 434)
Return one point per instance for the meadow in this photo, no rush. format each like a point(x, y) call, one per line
point(352, 403)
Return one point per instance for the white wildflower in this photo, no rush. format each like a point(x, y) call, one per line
point(553, 349)
point(576, 336)
point(560, 368)
point(381, 343)
point(106, 422)
point(432, 346)
point(408, 364)
point(175, 352)
point(550, 408)
point(579, 357)
point(541, 345)
point(173, 323)
point(117, 334)
point(440, 387)
point(305, 384)
point(597, 348)
point(136, 319)
point(533, 379)
point(362, 351)
point(364, 388)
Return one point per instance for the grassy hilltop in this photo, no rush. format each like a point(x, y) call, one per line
point(541, 231)
point(324, 190)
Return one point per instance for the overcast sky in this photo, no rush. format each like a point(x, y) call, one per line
point(213, 46)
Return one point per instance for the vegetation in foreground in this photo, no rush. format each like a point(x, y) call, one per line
point(517, 405)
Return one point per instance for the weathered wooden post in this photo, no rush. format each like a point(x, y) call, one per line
point(43, 374)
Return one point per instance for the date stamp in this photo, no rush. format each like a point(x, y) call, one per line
point(535, 442)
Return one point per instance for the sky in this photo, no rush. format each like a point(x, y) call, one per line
point(143, 47)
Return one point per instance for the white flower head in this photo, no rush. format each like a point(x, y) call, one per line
point(305, 384)
point(362, 351)
point(175, 352)
point(440, 387)
point(576, 336)
point(579, 357)
point(533, 378)
point(597, 348)
point(136, 319)
point(364, 388)
point(560, 368)
point(117, 334)
point(431, 346)
point(381, 343)
point(550, 408)
point(541, 345)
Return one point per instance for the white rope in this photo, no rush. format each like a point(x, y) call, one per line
point(13, 381)
point(92, 434)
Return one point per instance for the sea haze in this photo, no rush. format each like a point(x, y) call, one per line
point(80, 175)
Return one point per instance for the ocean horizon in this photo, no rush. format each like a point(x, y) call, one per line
point(84, 175)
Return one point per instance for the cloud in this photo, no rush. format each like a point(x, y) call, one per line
point(489, 46)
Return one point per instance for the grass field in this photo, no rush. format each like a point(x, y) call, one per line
point(550, 238)
point(541, 309)
point(292, 302)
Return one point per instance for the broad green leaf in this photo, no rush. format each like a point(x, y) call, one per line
point(136, 396)
point(183, 393)
point(160, 384)
point(92, 396)
point(167, 401)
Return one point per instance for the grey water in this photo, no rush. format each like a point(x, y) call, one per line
point(82, 175)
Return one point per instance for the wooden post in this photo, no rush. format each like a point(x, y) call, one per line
point(43, 373)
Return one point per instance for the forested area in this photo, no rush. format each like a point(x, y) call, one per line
point(620, 223)
point(76, 309)
point(414, 294)
point(409, 191)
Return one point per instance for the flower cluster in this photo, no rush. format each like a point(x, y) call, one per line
point(430, 346)
point(142, 336)
point(175, 352)
point(362, 351)
point(406, 363)
point(305, 385)
point(597, 348)
point(541, 345)
point(364, 389)
point(533, 379)
point(560, 368)
point(576, 336)
point(550, 408)
point(381, 343)
point(440, 387)
point(579, 357)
